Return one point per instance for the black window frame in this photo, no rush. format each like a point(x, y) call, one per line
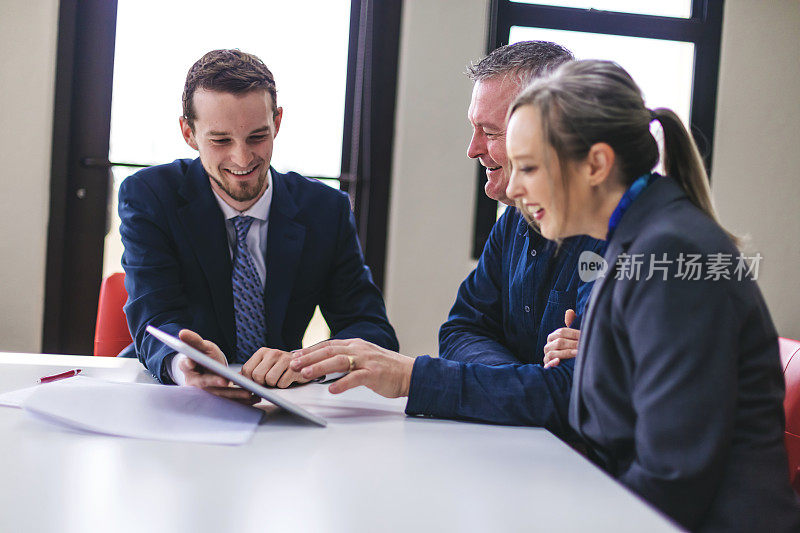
point(703, 28)
point(81, 171)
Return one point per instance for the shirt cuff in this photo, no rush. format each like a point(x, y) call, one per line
point(434, 387)
point(175, 373)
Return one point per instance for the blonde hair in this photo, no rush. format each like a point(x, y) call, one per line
point(591, 101)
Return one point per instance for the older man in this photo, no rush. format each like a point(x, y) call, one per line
point(492, 347)
point(525, 288)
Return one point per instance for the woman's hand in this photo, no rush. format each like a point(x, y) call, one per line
point(385, 372)
point(562, 343)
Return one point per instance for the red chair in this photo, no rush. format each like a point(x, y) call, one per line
point(790, 358)
point(111, 334)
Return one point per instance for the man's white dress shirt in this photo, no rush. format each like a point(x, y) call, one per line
point(256, 242)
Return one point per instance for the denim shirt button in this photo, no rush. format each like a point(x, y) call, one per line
point(527, 308)
point(533, 253)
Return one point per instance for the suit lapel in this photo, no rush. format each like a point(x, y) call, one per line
point(587, 324)
point(204, 224)
point(661, 192)
point(285, 238)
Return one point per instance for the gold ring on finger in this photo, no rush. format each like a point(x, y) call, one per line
point(352, 363)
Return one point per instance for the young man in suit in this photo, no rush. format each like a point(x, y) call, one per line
point(226, 246)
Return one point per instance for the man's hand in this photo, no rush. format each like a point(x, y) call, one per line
point(271, 367)
point(197, 376)
point(385, 372)
point(562, 343)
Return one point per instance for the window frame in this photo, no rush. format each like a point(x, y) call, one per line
point(703, 28)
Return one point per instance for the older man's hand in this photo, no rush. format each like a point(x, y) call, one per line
point(385, 372)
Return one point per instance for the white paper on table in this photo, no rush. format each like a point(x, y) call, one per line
point(146, 411)
point(16, 398)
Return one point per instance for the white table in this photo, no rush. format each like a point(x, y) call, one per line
point(372, 469)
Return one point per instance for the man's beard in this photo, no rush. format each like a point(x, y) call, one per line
point(237, 192)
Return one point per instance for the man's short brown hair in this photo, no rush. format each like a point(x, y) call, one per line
point(228, 71)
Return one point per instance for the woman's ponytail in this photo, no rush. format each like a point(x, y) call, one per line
point(592, 101)
point(683, 163)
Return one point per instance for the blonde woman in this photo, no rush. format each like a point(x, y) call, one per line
point(677, 390)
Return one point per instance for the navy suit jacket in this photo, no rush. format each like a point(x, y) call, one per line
point(678, 390)
point(178, 265)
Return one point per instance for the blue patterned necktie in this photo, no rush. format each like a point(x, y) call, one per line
point(248, 295)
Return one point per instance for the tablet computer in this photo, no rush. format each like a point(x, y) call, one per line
point(218, 368)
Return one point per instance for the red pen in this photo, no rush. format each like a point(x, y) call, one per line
point(63, 375)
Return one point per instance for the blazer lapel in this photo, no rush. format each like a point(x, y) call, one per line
point(660, 193)
point(285, 237)
point(204, 224)
point(587, 324)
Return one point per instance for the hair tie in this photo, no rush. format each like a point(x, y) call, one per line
point(653, 115)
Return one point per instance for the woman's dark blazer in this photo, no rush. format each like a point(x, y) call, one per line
point(678, 389)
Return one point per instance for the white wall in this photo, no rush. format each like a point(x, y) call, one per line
point(27, 78)
point(433, 181)
point(756, 167)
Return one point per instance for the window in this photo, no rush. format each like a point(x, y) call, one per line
point(670, 47)
point(299, 50)
point(149, 75)
point(335, 64)
point(663, 8)
point(665, 83)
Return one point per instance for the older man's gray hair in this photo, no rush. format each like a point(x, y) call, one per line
point(525, 60)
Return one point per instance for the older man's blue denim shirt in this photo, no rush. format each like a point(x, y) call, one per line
point(516, 296)
point(492, 345)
